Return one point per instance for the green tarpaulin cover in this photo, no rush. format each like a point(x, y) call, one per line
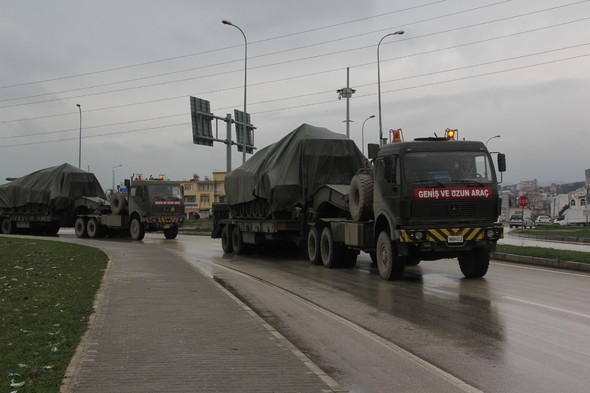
point(288, 172)
point(55, 187)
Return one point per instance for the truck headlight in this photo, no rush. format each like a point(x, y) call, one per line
point(490, 233)
point(418, 236)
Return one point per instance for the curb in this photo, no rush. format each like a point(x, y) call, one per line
point(546, 262)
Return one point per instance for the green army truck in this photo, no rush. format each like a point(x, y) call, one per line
point(146, 206)
point(427, 199)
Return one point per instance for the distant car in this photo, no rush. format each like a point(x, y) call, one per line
point(517, 221)
point(543, 220)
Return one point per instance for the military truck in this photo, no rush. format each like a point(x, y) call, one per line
point(427, 199)
point(148, 206)
point(64, 196)
point(44, 201)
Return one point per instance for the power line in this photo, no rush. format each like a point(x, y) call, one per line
point(316, 73)
point(325, 101)
point(220, 49)
point(288, 61)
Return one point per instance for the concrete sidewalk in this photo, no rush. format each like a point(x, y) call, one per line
point(162, 326)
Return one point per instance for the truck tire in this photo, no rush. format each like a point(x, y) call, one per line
point(475, 263)
point(349, 259)
point(226, 240)
point(331, 252)
point(390, 266)
point(80, 227)
point(93, 228)
point(118, 203)
point(237, 242)
point(360, 197)
point(136, 229)
point(313, 246)
point(171, 233)
point(8, 227)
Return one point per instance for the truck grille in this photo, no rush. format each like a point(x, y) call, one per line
point(432, 211)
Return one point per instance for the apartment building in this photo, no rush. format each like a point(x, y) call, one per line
point(200, 194)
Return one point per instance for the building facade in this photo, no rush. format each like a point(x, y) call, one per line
point(200, 194)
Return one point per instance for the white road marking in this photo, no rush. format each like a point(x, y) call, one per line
point(563, 310)
point(458, 383)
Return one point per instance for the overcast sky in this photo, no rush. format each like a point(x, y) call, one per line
point(519, 69)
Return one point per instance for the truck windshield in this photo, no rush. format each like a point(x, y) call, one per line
point(469, 168)
point(165, 191)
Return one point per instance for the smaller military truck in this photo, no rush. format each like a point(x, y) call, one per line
point(148, 206)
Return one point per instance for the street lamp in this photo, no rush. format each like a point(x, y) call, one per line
point(80, 141)
point(495, 136)
point(227, 22)
point(116, 166)
point(363, 132)
point(400, 32)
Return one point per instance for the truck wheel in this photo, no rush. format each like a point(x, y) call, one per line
point(360, 197)
point(332, 253)
point(136, 229)
point(8, 227)
point(171, 232)
point(226, 240)
point(118, 203)
point(349, 258)
point(237, 242)
point(390, 266)
point(313, 246)
point(93, 229)
point(80, 227)
point(475, 263)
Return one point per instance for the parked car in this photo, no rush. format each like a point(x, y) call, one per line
point(517, 221)
point(543, 220)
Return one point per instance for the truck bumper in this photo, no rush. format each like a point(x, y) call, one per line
point(452, 237)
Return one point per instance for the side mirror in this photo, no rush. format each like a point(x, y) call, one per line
point(373, 150)
point(501, 162)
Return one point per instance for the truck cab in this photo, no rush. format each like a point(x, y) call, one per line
point(435, 198)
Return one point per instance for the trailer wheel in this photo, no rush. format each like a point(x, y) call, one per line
point(475, 263)
point(136, 229)
point(360, 197)
point(93, 229)
point(237, 242)
point(171, 233)
point(390, 266)
point(350, 258)
point(8, 227)
point(80, 227)
point(118, 203)
point(226, 240)
point(332, 253)
point(313, 246)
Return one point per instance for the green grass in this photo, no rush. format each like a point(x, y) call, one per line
point(202, 225)
point(557, 230)
point(46, 294)
point(550, 253)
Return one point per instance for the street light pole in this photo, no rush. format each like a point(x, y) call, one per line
point(116, 166)
point(80, 140)
point(227, 22)
point(363, 132)
point(400, 32)
point(495, 136)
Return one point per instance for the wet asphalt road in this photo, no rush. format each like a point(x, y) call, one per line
point(520, 329)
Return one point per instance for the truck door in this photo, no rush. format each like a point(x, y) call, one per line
point(387, 185)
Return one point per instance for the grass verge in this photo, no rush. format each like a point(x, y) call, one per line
point(550, 253)
point(556, 230)
point(202, 225)
point(46, 295)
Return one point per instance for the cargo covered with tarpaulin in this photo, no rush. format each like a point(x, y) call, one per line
point(55, 188)
point(286, 174)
